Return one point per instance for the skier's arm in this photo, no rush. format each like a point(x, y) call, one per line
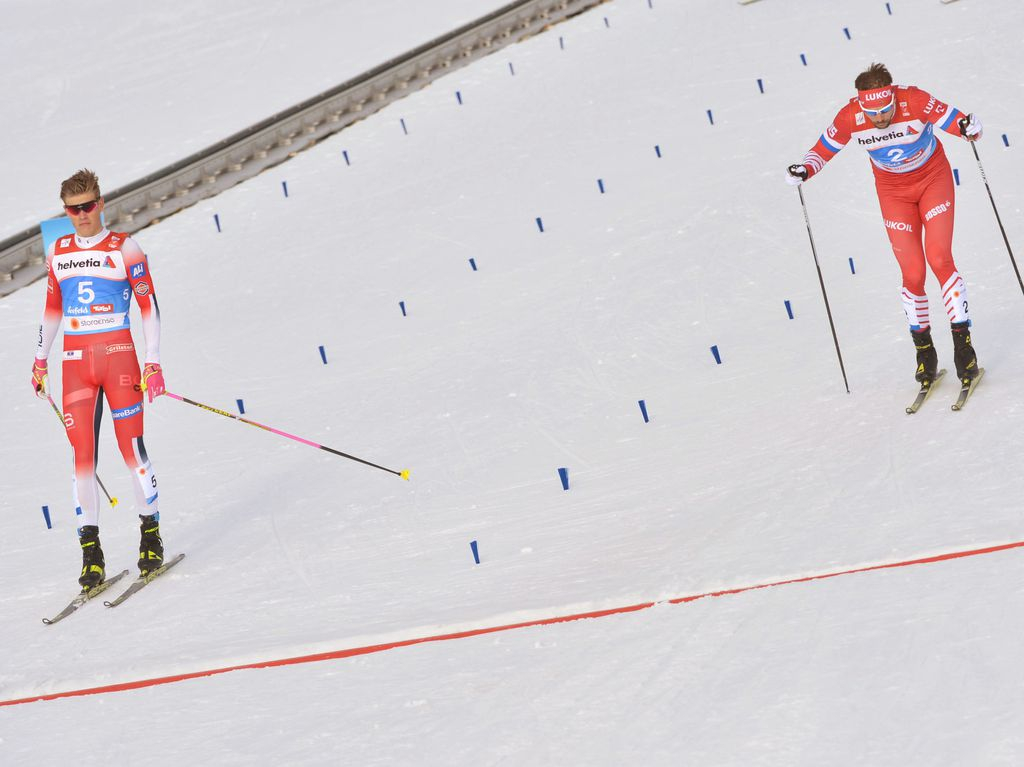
point(828, 145)
point(137, 266)
point(930, 109)
point(52, 311)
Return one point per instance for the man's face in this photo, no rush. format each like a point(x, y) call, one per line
point(84, 210)
point(881, 120)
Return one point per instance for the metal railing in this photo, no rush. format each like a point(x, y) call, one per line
point(282, 135)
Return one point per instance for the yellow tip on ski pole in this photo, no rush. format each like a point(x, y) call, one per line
point(404, 474)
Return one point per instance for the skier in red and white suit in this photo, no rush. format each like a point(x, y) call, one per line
point(91, 278)
point(896, 125)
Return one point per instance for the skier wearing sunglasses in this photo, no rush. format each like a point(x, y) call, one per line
point(91, 278)
point(896, 125)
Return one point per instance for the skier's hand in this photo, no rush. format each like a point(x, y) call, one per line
point(796, 175)
point(39, 379)
point(153, 380)
point(970, 127)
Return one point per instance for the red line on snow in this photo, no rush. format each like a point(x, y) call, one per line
point(353, 651)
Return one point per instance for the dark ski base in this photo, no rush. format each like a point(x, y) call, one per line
point(84, 597)
point(924, 392)
point(967, 389)
point(140, 582)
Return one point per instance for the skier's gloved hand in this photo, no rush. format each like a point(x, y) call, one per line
point(970, 127)
point(796, 174)
point(39, 380)
point(153, 380)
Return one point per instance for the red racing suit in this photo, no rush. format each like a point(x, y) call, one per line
point(90, 283)
point(915, 191)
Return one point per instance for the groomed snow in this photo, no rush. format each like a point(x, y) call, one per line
point(760, 469)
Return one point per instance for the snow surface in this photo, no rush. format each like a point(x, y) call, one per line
point(759, 469)
point(131, 89)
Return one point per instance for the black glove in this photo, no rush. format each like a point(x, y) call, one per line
point(796, 174)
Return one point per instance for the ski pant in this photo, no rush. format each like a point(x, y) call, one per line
point(98, 366)
point(917, 209)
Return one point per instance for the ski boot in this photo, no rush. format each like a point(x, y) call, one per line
point(151, 547)
point(92, 558)
point(927, 359)
point(963, 352)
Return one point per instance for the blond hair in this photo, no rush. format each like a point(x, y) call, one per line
point(83, 182)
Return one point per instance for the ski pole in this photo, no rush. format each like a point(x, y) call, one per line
point(998, 220)
point(60, 415)
point(404, 473)
point(821, 281)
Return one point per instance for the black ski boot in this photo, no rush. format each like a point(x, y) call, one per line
point(963, 352)
point(927, 359)
point(92, 558)
point(151, 547)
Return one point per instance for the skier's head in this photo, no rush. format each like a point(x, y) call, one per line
point(876, 95)
point(83, 202)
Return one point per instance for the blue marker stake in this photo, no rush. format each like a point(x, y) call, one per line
point(852, 270)
point(472, 262)
point(650, 3)
point(46, 516)
point(458, 96)
point(511, 69)
point(718, 357)
point(711, 119)
point(241, 406)
point(401, 305)
point(846, 31)
point(540, 224)
point(563, 474)
point(643, 410)
point(284, 185)
point(606, 22)
point(345, 155)
point(1006, 141)
point(216, 220)
point(760, 85)
point(789, 309)
point(956, 176)
point(78, 511)
point(476, 551)
point(323, 355)
point(404, 129)
point(803, 59)
point(600, 185)
point(657, 150)
point(888, 8)
point(561, 43)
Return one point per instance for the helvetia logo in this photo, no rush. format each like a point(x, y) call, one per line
point(89, 263)
point(879, 139)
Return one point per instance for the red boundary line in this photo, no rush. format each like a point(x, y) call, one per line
point(353, 651)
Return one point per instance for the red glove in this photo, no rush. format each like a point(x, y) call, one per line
point(153, 380)
point(39, 378)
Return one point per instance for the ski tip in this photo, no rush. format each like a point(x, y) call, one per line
point(404, 474)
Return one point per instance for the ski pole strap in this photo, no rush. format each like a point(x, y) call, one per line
point(404, 473)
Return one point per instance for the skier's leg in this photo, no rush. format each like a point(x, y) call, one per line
point(903, 226)
point(937, 208)
point(83, 412)
point(121, 387)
